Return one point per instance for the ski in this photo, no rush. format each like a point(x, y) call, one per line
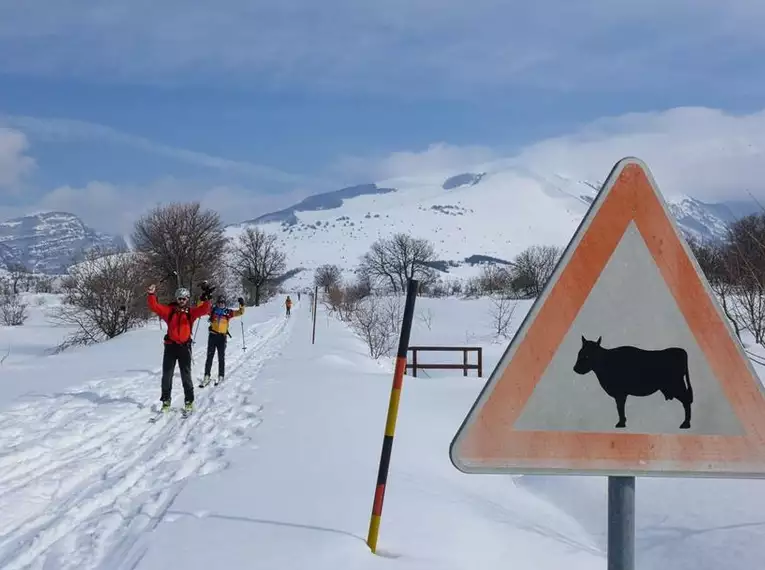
point(158, 413)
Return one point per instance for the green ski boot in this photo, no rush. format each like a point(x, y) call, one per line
point(187, 409)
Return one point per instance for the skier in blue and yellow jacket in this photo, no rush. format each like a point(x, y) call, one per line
point(220, 315)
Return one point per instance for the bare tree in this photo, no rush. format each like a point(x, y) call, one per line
point(327, 276)
point(495, 279)
point(533, 267)
point(257, 260)
point(18, 277)
point(394, 260)
point(104, 296)
point(182, 244)
point(720, 268)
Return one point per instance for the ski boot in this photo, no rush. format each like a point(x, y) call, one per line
point(205, 381)
point(187, 409)
point(165, 406)
point(219, 380)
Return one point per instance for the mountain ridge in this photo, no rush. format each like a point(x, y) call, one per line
point(481, 214)
point(49, 242)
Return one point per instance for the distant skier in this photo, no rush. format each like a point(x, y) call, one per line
point(298, 295)
point(218, 337)
point(288, 305)
point(180, 318)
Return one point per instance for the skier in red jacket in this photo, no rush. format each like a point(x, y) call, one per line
point(180, 317)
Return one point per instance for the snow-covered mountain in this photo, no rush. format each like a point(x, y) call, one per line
point(483, 213)
point(49, 242)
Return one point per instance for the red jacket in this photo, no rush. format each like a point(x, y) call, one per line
point(179, 322)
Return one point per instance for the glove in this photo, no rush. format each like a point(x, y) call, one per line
point(207, 291)
point(152, 289)
point(241, 301)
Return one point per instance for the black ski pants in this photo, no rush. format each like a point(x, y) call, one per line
point(180, 353)
point(216, 342)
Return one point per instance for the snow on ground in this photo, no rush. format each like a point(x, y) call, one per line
point(82, 471)
point(277, 469)
point(299, 494)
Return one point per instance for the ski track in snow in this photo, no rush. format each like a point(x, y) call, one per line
point(84, 474)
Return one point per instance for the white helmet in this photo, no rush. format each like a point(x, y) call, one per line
point(182, 292)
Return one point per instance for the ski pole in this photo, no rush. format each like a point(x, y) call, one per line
point(194, 339)
point(243, 345)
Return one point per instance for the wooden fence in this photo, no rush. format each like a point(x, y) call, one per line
point(465, 366)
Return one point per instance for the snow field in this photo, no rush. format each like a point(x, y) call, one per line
point(300, 495)
point(83, 473)
point(277, 468)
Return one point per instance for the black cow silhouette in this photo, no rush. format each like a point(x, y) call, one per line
point(629, 371)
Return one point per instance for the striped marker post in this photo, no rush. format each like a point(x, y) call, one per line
point(313, 310)
point(390, 424)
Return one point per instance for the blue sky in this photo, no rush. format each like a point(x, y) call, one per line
point(108, 108)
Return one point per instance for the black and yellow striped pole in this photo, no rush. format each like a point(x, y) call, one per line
point(390, 424)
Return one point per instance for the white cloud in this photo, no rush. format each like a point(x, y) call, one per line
point(706, 153)
point(67, 130)
point(436, 159)
point(397, 45)
point(14, 162)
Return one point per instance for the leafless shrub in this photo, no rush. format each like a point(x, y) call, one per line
point(427, 318)
point(502, 310)
point(257, 260)
point(494, 279)
point(472, 288)
point(182, 245)
point(43, 284)
point(344, 300)
point(104, 296)
point(373, 320)
point(13, 311)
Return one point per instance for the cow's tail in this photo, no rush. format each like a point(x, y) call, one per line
point(688, 381)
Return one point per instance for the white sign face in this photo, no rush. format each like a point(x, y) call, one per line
point(625, 365)
point(630, 305)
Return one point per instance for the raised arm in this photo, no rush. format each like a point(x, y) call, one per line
point(200, 310)
point(163, 311)
point(240, 311)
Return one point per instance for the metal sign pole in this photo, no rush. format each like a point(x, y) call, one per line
point(621, 523)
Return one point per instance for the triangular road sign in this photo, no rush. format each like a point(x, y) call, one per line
point(565, 399)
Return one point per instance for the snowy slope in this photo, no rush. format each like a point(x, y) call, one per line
point(496, 211)
point(277, 469)
point(499, 216)
point(49, 242)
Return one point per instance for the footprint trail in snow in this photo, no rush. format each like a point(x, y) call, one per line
point(84, 474)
